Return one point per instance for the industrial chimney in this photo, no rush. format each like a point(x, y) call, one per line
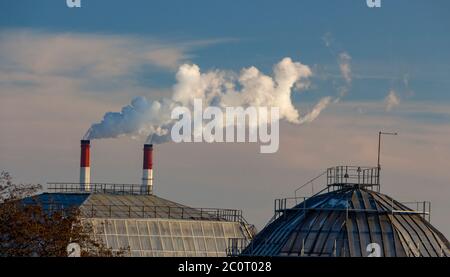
point(147, 169)
point(85, 169)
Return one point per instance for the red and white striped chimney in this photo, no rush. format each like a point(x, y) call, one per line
point(147, 169)
point(85, 168)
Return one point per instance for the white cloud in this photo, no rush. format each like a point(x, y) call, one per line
point(87, 65)
point(85, 55)
point(34, 55)
point(391, 101)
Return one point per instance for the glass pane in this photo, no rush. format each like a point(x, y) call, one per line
point(186, 228)
point(153, 228)
point(167, 243)
point(156, 243)
point(134, 243)
point(147, 254)
point(221, 245)
point(120, 227)
point(211, 245)
point(112, 241)
point(142, 228)
point(218, 231)
point(110, 227)
point(237, 230)
point(200, 244)
point(179, 254)
point(135, 253)
point(176, 229)
point(123, 242)
point(132, 227)
point(145, 243)
point(189, 243)
point(178, 244)
point(197, 229)
point(164, 228)
point(208, 229)
point(229, 230)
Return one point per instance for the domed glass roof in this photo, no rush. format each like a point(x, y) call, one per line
point(351, 221)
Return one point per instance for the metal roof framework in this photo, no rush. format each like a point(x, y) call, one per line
point(124, 201)
point(344, 218)
point(148, 225)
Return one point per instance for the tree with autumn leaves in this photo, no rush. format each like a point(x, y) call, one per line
point(29, 230)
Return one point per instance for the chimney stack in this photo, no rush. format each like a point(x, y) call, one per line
point(147, 169)
point(85, 168)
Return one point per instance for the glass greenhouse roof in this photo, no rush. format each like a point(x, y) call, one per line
point(149, 225)
point(344, 222)
point(167, 237)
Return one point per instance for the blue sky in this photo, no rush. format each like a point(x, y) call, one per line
point(401, 38)
point(61, 69)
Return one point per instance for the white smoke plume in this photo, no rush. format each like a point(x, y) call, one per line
point(327, 38)
point(345, 67)
point(344, 63)
point(323, 103)
point(391, 101)
point(216, 88)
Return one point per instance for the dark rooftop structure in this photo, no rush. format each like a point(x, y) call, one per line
point(124, 216)
point(124, 201)
point(347, 218)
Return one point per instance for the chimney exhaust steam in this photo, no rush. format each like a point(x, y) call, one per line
point(85, 168)
point(147, 169)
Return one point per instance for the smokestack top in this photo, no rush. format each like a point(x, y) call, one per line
point(85, 169)
point(147, 169)
point(148, 156)
point(85, 153)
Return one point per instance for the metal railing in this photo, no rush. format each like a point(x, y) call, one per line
point(98, 188)
point(149, 211)
point(142, 211)
point(134, 211)
point(282, 205)
point(422, 207)
point(235, 246)
point(353, 175)
point(342, 176)
point(310, 185)
point(338, 176)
